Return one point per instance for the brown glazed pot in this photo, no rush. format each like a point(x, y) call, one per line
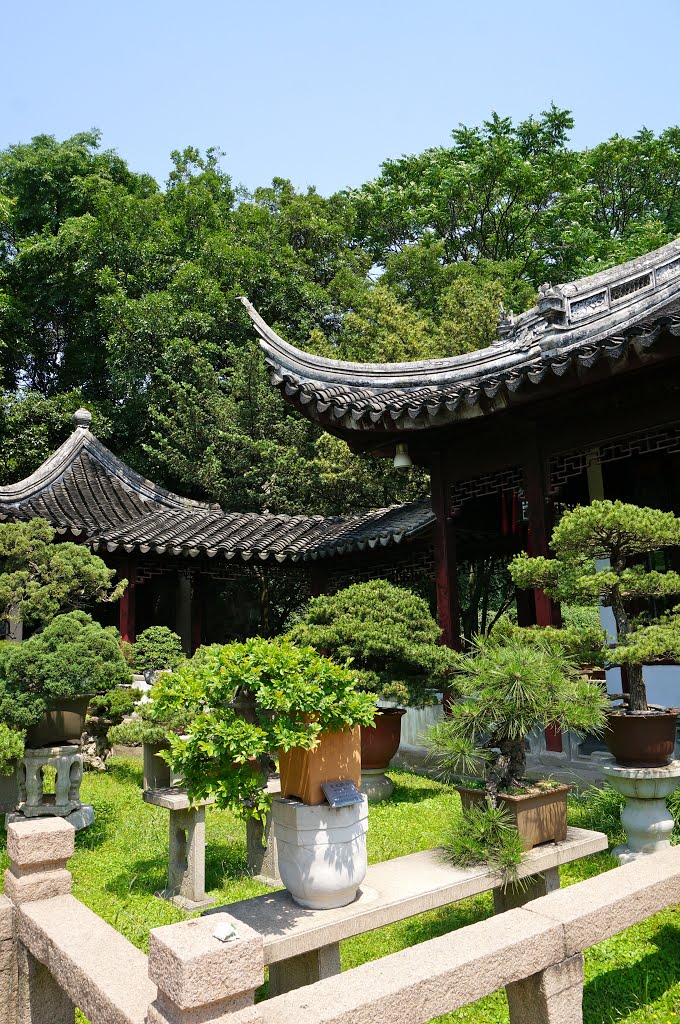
point(380, 742)
point(539, 817)
point(644, 739)
point(64, 722)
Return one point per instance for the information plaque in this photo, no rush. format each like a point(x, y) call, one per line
point(341, 793)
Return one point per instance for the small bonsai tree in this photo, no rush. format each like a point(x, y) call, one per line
point(73, 656)
point(246, 700)
point(157, 648)
point(507, 689)
point(390, 636)
point(39, 579)
point(623, 534)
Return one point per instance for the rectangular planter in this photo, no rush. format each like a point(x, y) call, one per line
point(9, 792)
point(338, 756)
point(539, 817)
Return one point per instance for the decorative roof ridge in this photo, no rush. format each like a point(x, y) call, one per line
point(582, 312)
point(82, 440)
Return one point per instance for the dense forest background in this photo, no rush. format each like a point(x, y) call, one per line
point(122, 296)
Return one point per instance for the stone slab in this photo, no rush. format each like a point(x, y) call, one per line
point(594, 910)
point(80, 818)
point(427, 980)
point(100, 971)
point(183, 902)
point(393, 890)
point(173, 799)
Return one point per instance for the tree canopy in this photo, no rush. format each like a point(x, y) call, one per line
point(121, 295)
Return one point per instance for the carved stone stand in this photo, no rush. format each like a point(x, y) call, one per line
point(65, 802)
point(645, 817)
point(186, 864)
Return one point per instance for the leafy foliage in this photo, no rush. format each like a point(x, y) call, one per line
point(389, 634)
point(73, 656)
point(156, 648)
point(11, 747)
point(244, 701)
point(39, 578)
point(621, 534)
point(507, 689)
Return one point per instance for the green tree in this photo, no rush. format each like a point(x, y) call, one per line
point(623, 535)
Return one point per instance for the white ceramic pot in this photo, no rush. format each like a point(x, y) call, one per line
point(321, 851)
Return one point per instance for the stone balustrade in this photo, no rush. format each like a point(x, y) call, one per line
point(55, 954)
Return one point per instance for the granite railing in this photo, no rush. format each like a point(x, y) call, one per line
point(56, 954)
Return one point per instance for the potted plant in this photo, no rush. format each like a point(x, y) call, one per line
point(11, 749)
point(246, 700)
point(157, 649)
point(600, 554)
point(506, 689)
point(394, 643)
point(46, 682)
point(148, 728)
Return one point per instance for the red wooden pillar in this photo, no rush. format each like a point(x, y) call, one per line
point(546, 611)
point(126, 605)
point(318, 579)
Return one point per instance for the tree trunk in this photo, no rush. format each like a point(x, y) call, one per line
point(637, 691)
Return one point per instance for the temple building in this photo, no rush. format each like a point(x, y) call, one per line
point(211, 575)
point(578, 399)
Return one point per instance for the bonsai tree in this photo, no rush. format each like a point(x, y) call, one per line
point(507, 689)
point(157, 648)
point(73, 656)
point(245, 700)
point(390, 636)
point(623, 534)
point(39, 579)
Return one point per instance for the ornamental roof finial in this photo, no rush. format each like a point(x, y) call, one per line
point(82, 418)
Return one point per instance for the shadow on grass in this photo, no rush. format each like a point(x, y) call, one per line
point(223, 863)
point(615, 994)
point(413, 793)
point(99, 831)
point(126, 770)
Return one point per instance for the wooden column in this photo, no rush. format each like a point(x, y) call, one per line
point(126, 605)
point(445, 566)
point(318, 579)
point(197, 611)
point(546, 612)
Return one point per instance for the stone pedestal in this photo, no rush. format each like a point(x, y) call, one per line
point(67, 761)
point(263, 861)
point(322, 851)
point(645, 817)
point(375, 785)
point(186, 864)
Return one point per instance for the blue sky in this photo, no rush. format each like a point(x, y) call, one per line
point(322, 92)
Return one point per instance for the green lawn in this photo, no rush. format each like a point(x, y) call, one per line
point(121, 860)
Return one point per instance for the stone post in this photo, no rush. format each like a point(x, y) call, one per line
point(644, 816)
point(553, 996)
point(186, 866)
point(38, 851)
point(206, 970)
point(8, 962)
point(525, 891)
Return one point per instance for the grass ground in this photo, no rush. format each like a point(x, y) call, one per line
point(121, 860)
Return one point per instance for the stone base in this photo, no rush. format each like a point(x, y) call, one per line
point(375, 785)
point(645, 817)
point(82, 817)
point(183, 902)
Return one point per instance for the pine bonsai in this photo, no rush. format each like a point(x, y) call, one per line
point(390, 636)
point(623, 534)
point(507, 689)
point(157, 648)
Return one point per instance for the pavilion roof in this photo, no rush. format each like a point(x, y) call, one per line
point(572, 327)
point(83, 489)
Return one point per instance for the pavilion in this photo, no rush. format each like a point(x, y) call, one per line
point(209, 574)
point(579, 398)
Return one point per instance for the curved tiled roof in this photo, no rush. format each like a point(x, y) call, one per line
point(572, 326)
point(84, 489)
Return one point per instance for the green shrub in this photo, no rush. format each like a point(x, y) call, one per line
point(390, 636)
point(157, 648)
point(11, 747)
point(243, 702)
point(147, 725)
point(73, 656)
point(582, 644)
point(485, 833)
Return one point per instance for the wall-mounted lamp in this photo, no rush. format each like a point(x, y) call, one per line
point(402, 459)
